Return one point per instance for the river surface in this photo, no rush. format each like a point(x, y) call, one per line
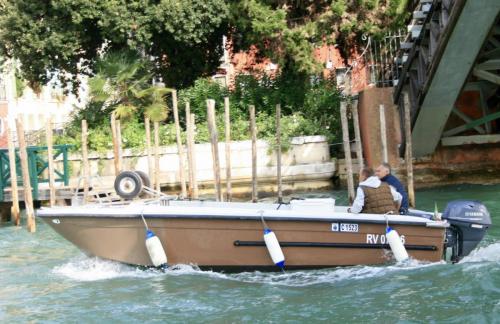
point(44, 278)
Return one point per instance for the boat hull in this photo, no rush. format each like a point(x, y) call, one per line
point(238, 245)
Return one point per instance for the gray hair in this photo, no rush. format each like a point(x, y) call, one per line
point(387, 166)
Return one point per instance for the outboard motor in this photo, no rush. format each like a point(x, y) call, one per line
point(469, 221)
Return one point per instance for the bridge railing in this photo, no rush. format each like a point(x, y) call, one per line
point(37, 164)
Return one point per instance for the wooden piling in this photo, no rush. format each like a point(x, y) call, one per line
point(116, 150)
point(189, 149)
point(14, 211)
point(227, 119)
point(383, 135)
point(147, 125)
point(357, 135)
point(119, 143)
point(347, 150)
point(85, 162)
point(409, 152)
point(192, 128)
point(180, 148)
point(278, 153)
point(50, 160)
point(253, 132)
point(156, 130)
point(28, 195)
point(212, 129)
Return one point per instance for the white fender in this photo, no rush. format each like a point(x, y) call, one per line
point(155, 249)
point(397, 247)
point(274, 248)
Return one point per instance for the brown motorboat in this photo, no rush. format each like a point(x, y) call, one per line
point(312, 233)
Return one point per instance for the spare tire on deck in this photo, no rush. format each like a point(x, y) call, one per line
point(128, 184)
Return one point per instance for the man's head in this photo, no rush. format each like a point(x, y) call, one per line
point(365, 174)
point(383, 170)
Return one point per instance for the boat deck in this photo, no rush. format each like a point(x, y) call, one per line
point(298, 210)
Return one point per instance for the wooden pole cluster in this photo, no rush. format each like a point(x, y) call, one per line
point(253, 132)
point(212, 128)
point(85, 161)
point(193, 184)
point(409, 152)
point(28, 195)
point(278, 153)
point(347, 150)
point(15, 211)
point(383, 135)
point(50, 160)
point(227, 119)
point(180, 147)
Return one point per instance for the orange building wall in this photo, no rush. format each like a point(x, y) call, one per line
point(248, 62)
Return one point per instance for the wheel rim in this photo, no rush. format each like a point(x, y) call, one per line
point(127, 185)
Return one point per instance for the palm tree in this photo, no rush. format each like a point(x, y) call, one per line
point(123, 82)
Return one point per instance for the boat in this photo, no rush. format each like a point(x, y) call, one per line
point(229, 236)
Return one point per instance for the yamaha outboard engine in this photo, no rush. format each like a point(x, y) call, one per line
point(469, 221)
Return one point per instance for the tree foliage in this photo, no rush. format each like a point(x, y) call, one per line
point(122, 82)
point(64, 38)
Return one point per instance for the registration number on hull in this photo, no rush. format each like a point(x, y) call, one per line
point(345, 227)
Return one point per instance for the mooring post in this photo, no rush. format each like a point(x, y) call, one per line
point(227, 119)
point(383, 135)
point(85, 161)
point(189, 149)
point(28, 195)
point(14, 211)
point(212, 128)
point(253, 132)
point(119, 143)
point(180, 148)
point(357, 134)
point(409, 152)
point(116, 150)
point(278, 153)
point(50, 161)
point(156, 130)
point(347, 150)
point(147, 125)
point(192, 128)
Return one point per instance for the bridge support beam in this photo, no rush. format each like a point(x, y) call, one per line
point(463, 46)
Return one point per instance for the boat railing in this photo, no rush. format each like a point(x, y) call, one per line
point(102, 196)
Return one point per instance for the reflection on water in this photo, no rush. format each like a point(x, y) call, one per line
point(44, 278)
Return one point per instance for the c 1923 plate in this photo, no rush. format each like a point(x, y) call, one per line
point(349, 227)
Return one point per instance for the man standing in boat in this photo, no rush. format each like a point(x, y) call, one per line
point(374, 196)
point(383, 172)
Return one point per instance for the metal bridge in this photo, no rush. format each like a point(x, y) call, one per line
point(38, 165)
point(450, 71)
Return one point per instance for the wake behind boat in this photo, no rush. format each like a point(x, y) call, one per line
point(227, 236)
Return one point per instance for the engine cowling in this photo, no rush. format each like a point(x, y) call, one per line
point(469, 220)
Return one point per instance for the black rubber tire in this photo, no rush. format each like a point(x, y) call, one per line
point(128, 184)
point(146, 182)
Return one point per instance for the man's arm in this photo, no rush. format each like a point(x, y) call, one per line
point(396, 196)
point(359, 202)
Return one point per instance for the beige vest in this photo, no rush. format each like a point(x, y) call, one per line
point(378, 200)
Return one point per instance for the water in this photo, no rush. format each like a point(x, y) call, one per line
point(45, 279)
